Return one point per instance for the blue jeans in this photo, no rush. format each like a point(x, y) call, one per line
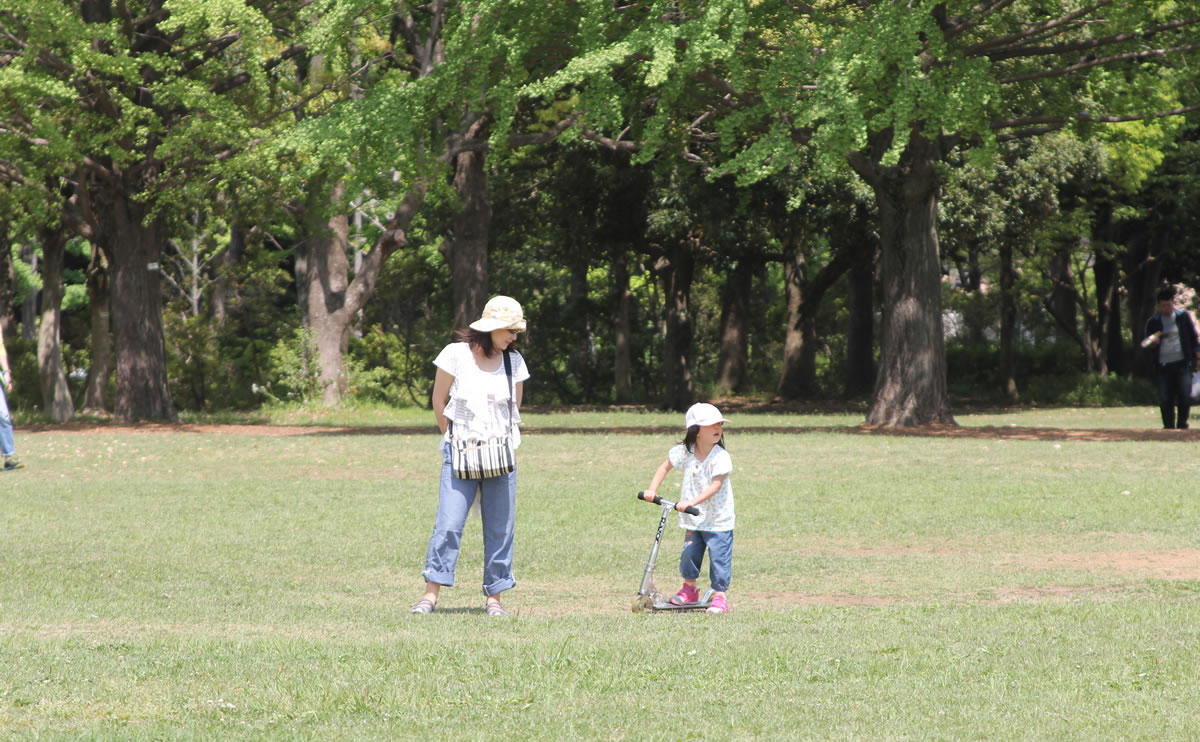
point(1174, 391)
point(8, 446)
point(497, 508)
point(720, 557)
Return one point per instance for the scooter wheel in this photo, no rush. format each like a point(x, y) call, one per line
point(642, 603)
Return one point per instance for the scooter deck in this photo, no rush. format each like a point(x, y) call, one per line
point(666, 606)
point(657, 602)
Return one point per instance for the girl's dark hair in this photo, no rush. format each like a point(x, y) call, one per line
point(479, 339)
point(689, 440)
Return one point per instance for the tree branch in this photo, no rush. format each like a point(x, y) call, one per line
point(1063, 71)
point(526, 140)
point(244, 77)
point(1078, 46)
point(36, 141)
point(1035, 131)
point(1035, 30)
point(959, 25)
point(727, 88)
point(616, 145)
point(215, 47)
point(1055, 122)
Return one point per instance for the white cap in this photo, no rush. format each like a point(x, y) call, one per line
point(500, 313)
point(702, 413)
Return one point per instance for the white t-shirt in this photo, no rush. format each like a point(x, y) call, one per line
point(478, 406)
point(716, 513)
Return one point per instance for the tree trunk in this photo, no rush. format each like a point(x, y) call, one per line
point(333, 300)
point(911, 388)
point(1108, 313)
point(733, 357)
point(95, 397)
point(224, 287)
point(797, 379)
point(29, 306)
point(622, 329)
point(467, 249)
point(860, 334)
point(134, 247)
point(1143, 271)
point(327, 279)
point(975, 316)
point(7, 293)
point(56, 395)
point(581, 362)
point(1062, 296)
point(1008, 322)
point(677, 273)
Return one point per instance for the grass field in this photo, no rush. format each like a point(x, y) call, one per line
point(254, 584)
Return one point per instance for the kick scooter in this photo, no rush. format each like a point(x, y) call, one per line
point(648, 597)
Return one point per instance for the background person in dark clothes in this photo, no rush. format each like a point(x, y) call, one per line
point(1171, 335)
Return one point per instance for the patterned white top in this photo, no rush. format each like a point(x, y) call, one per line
point(478, 406)
point(716, 513)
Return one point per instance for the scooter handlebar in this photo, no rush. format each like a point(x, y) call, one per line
point(690, 510)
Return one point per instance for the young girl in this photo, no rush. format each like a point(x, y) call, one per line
point(706, 466)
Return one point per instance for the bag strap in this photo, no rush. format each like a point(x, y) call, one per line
point(511, 390)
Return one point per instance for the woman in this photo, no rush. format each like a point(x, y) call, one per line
point(471, 400)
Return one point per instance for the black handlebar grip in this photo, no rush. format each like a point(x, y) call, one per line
point(692, 510)
point(642, 496)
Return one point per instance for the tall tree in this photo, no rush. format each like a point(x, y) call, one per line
point(445, 80)
point(56, 395)
point(138, 102)
point(891, 89)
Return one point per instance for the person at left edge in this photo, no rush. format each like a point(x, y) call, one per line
point(471, 391)
point(7, 443)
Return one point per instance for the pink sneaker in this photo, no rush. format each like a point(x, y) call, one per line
point(718, 604)
point(686, 594)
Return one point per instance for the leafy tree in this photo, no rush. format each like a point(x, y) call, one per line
point(443, 76)
point(135, 105)
point(890, 89)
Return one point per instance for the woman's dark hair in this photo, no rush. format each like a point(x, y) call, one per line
point(479, 339)
point(689, 440)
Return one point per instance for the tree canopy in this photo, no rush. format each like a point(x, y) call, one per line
point(632, 151)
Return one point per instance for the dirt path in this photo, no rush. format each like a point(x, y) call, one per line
point(932, 431)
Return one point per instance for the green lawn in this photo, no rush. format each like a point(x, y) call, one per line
point(249, 585)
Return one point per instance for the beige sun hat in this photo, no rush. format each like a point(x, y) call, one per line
point(500, 313)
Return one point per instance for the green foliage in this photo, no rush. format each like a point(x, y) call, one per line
point(383, 368)
point(1092, 390)
point(293, 372)
point(22, 361)
point(1046, 373)
point(770, 93)
point(195, 366)
point(25, 281)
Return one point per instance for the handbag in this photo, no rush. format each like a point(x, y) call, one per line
point(490, 457)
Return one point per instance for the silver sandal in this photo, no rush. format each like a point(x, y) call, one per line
point(424, 605)
point(495, 610)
